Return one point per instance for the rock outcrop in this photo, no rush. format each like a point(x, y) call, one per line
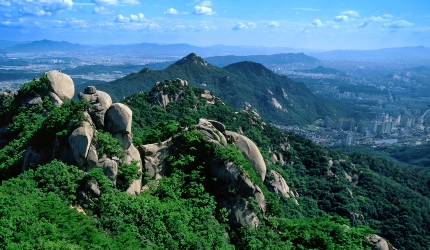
point(80, 141)
point(250, 151)
point(100, 102)
point(153, 156)
point(61, 84)
point(379, 243)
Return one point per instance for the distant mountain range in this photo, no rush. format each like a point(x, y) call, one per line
point(243, 85)
point(280, 59)
point(404, 53)
point(211, 53)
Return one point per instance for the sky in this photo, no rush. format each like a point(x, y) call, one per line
point(311, 24)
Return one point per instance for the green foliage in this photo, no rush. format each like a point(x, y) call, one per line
point(127, 173)
point(109, 146)
point(36, 86)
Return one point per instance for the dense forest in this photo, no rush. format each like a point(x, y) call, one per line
point(337, 198)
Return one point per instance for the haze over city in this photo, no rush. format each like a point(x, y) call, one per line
point(322, 25)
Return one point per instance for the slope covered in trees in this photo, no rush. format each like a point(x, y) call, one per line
point(336, 196)
point(241, 85)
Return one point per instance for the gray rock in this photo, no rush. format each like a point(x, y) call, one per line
point(218, 125)
point(33, 157)
point(80, 141)
point(126, 139)
point(61, 84)
point(250, 151)
point(153, 155)
point(118, 119)
point(100, 101)
point(132, 154)
point(379, 243)
point(92, 158)
point(30, 101)
point(90, 90)
point(54, 98)
point(110, 168)
point(210, 132)
point(278, 184)
point(243, 216)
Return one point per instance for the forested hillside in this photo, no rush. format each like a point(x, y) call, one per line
point(327, 200)
point(242, 85)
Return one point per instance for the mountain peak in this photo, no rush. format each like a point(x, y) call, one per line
point(192, 58)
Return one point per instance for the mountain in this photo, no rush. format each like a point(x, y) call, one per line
point(279, 59)
point(403, 53)
point(242, 85)
point(45, 46)
point(213, 177)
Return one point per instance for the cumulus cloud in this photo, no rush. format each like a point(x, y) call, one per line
point(116, 2)
point(206, 3)
point(243, 26)
point(317, 23)
point(398, 24)
point(369, 20)
point(273, 24)
point(172, 11)
point(350, 13)
point(137, 18)
point(341, 18)
point(121, 19)
point(103, 11)
point(203, 10)
point(39, 7)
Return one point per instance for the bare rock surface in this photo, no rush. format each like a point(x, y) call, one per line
point(80, 141)
point(61, 84)
point(118, 119)
point(250, 151)
point(153, 156)
point(278, 184)
point(379, 243)
point(132, 154)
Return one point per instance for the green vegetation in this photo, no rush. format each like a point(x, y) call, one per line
point(343, 197)
point(237, 84)
point(36, 86)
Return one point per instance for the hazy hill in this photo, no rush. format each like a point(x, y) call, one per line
point(242, 85)
point(279, 59)
point(322, 70)
point(45, 46)
point(404, 53)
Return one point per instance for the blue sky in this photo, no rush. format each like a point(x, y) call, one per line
point(312, 24)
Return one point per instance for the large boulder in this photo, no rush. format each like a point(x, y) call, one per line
point(250, 151)
point(80, 141)
point(379, 243)
point(210, 132)
point(61, 84)
point(231, 177)
point(153, 156)
point(279, 185)
point(100, 102)
point(118, 119)
point(132, 154)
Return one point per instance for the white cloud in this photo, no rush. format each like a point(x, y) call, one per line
point(172, 11)
point(341, 18)
point(387, 16)
point(137, 18)
point(350, 13)
point(364, 24)
point(243, 26)
point(369, 20)
point(203, 10)
point(103, 11)
point(273, 24)
point(116, 2)
point(33, 10)
point(122, 19)
point(4, 3)
point(317, 23)
point(398, 24)
point(376, 19)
